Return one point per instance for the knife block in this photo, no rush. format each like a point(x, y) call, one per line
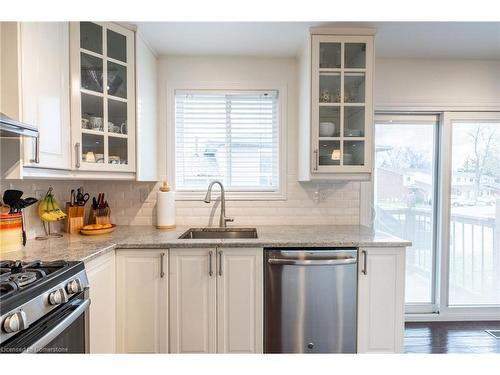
point(100, 216)
point(74, 220)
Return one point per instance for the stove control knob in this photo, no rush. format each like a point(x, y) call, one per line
point(74, 286)
point(15, 322)
point(58, 297)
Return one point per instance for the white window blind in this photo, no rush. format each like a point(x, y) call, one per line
point(228, 136)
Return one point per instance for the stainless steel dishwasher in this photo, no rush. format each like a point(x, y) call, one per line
point(310, 300)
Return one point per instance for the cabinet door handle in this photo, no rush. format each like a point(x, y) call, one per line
point(77, 151)
point(162, 257)
point(315, 160)
point(210, 271)
point(364, 271)
point(220, 263)
point(36, 159)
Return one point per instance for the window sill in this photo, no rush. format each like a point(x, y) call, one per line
point(233, 195)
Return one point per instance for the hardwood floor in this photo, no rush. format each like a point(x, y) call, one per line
point(451, 337)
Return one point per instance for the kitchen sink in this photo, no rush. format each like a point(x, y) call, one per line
point(204, 233)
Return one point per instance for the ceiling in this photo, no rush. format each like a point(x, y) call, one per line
point(435, 40)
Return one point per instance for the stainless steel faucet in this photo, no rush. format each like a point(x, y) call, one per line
point(223, 219)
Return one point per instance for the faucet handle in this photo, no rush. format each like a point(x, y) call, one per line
point(228, 219)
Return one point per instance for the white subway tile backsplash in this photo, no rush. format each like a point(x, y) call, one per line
point(134, 203)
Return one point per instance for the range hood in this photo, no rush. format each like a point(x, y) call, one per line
point(10, 128)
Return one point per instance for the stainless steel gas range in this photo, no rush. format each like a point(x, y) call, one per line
point(43, 307)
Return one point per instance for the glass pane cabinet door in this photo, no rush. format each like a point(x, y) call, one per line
point(355, 55)
point(340, 108)
point(329, 153)
point(103, 95)
point(330, 55)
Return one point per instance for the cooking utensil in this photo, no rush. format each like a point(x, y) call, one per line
point(81, 197)
point(11, 196)
point(72, 200)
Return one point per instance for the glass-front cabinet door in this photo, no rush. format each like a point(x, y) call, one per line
point(342, 109)
point(103, 97)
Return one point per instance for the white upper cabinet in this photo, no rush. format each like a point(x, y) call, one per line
point(102, 97)
point(44, 78)
point(340, 109)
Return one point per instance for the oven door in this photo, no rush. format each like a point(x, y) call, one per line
point(64, 330)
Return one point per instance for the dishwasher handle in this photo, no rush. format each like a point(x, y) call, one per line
point(310, 262)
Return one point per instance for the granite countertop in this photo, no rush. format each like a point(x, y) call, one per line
point(79, 247)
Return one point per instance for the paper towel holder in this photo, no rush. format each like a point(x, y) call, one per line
point(165, 188)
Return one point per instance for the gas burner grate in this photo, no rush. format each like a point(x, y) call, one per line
point(494, 332)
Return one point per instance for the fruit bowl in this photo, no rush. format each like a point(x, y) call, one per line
point(95, 229)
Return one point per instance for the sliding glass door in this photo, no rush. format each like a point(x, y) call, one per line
point(437, 184)
point(473, 276)
point(405, 190)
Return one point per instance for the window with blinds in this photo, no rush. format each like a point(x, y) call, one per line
point(228, 136)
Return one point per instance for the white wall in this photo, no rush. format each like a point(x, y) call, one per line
point(339, 202)
point(438, 84)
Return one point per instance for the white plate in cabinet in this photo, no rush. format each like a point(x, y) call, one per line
point(381, 283)
point(216, 300)
point(142, 301)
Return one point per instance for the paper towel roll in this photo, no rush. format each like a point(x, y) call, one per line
point(165, 208)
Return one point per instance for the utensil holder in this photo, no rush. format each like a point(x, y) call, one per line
point(100, 216)
point(74, 220)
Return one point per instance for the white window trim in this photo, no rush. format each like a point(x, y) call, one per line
point(282, 89)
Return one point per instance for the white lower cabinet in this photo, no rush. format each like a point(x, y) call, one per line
point(381, 283)
point(101, 275)
point(142, 301)
point(216, 300)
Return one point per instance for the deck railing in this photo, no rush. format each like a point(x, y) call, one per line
point(474, 258)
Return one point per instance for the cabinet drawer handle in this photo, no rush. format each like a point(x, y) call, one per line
point(365, 263)
point(220, 263)
point(162, 257)
point(78, 157)
point(315, 160)
point(210, 271)
point(36, 159)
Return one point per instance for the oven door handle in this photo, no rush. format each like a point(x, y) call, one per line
point(59, 328)
point(324, 262)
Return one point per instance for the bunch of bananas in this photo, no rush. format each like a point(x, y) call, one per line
point(49, 210)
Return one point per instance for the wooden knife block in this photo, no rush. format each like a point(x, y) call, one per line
point(74, 220)
point(100, 216)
